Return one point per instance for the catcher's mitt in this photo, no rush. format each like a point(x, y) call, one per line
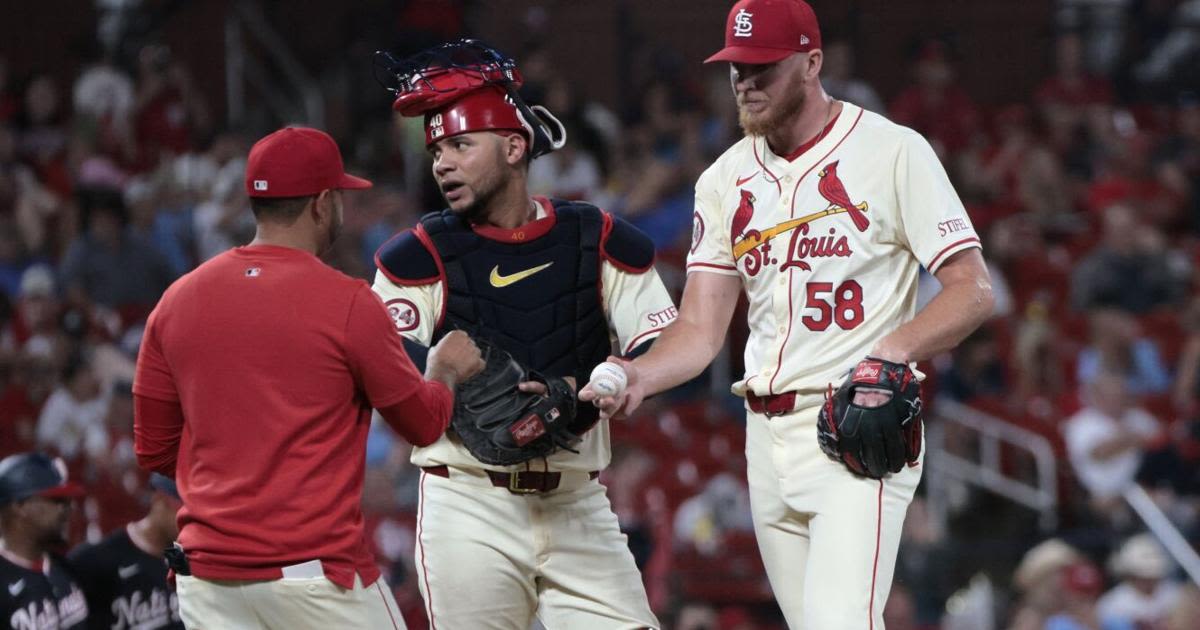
point(502, 425)
point(873, 441)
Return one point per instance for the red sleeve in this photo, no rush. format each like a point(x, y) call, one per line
point(422, 418)
point(152, 377)
point(157, 427)
point(413, 406)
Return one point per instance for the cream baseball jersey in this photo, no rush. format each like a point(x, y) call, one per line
point(637, 307)
point(828, 245)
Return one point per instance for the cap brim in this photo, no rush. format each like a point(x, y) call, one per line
point(69, 490)
point(352, 182)
point(750, 54)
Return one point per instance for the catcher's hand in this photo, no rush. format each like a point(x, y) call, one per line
point(873, 440)
point(500, 423)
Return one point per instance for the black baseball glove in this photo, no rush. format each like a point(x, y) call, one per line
point(873, 441)
point(502, 425)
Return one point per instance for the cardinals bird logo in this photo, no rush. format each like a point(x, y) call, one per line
point(742, 216)
point(831, 188)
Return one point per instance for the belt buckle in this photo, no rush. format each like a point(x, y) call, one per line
point(514, 480)
point(777, 412)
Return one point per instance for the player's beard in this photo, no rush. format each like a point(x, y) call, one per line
point(777, 114)
point(482, 194)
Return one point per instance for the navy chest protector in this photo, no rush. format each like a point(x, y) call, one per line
point(539, 300)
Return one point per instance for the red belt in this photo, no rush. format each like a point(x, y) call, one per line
point(774, 405)
point(519, 482)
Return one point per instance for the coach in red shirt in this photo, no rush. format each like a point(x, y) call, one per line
point(254, 388)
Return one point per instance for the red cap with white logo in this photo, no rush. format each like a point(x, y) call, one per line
point(766, 31)
point(297, 162)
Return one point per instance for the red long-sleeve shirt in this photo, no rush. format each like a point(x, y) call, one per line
point(254, 388)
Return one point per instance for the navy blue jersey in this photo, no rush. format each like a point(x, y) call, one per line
point(47, 598)
point(126, 587)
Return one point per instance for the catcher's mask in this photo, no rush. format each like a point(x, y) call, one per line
point(466, 86)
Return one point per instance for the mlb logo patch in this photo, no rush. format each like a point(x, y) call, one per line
point(253, 272)
point(260, 184)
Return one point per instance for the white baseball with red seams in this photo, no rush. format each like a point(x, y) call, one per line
point(608, 379)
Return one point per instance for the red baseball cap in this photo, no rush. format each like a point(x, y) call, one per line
point(484, 109)
point(297, 162)
point(766, 31)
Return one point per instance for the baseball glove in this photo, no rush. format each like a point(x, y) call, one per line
point(502, 425)
point(873, 441)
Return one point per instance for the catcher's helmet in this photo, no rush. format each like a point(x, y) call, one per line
point(466, 86)
point(34, 474)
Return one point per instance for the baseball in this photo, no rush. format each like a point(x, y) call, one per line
point(608, 379)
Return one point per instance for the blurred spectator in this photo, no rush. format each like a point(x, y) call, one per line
point(1081, 586)
point(837, 77)
point(1018, 172)
point(143, 196)
point(111, 264)
point(723, 506)
point(1106, 439)
point(1071, 89)
point(1127, 270)
point(72, 421)
point(224, 221)
point(37, 308)
point(1117, 346)
point(1127, 176)
point(936, 106)
point(1178, 157)
point(103, 98)
point(976, 368)
point(1144, 597)
point(33, 378)
point(575, 171)
point(1187, 611)
point(1038, 581)
point(1037, 355)
point(1186, 391)
point(42, 135)
point(170, 114)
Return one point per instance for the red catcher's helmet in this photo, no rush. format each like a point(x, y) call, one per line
point(466, 86)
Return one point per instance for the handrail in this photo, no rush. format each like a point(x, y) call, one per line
point(248, 16)
point(1164, 530)
point(986, 472)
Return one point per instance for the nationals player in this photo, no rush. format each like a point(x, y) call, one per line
point(124, 576)
point(556, 284)
point(823, 214)
point(38, 591)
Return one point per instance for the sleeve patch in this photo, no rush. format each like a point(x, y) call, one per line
point(406, 260)
point(404, 314)
point(627, 247)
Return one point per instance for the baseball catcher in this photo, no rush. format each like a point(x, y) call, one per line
point(873, 441)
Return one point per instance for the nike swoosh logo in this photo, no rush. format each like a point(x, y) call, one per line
point(745, 179)
point(127, 572)
point(500, 281)
point(15, 588)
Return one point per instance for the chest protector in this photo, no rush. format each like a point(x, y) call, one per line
point(539, 300)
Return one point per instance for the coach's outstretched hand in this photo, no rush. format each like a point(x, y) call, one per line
point(454, 359)
point(624, 403)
